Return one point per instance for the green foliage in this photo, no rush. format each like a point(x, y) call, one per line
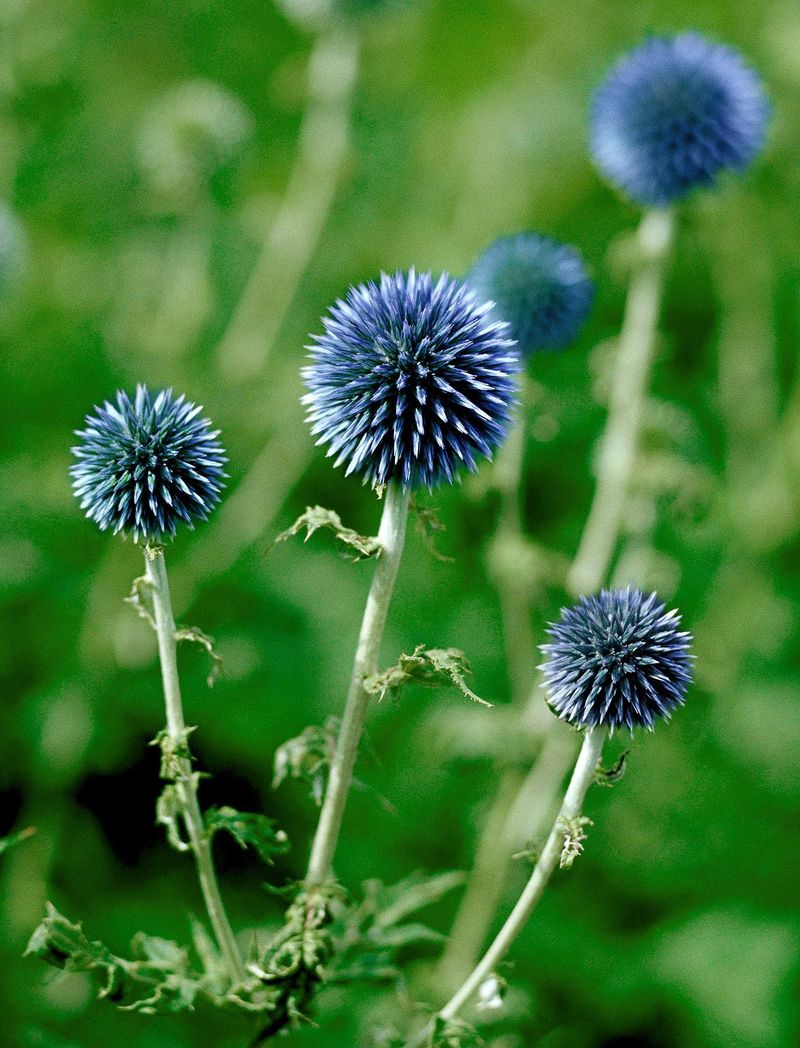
point(371, 936)
point(316, 517)
point(159, 981)
point(249, 830)
point(430, 667)
point(307, 757)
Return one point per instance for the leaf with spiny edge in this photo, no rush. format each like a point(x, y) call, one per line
point(249, 830)
point(429, 667)
point(316, 517)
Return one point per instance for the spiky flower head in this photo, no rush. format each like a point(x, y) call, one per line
point(144, 465)
point(539, 285)
point(411, 380)
point(617, 659)
point(675, 112)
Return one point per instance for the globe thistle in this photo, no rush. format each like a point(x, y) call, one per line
point(674, 113)
point(539, 285)
point(145, 465)
point(616, 659)
point(410, 380)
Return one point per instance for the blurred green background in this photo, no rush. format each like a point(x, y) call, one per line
point(189, 186)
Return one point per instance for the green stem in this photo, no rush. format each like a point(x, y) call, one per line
point(303, 211)
point(186, 781)
point(391, 537)
point(589, 571)
point(629, 385)
point(582, 778)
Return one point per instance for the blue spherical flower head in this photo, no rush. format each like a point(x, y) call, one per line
point(538, 285)
point(146, 465)
point(673, 114)
point(617, 659)
point(411, 380)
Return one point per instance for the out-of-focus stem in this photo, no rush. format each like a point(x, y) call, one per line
point(629, 384)
point(570, 809)
point(185, 781)
point(391, 537)
point(303, 211)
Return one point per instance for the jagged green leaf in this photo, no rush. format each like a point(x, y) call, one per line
point(249, 830)
point(430, 667)
point(196, 636)
point(158, 981)
point(608, 776)
point(316, 517)
point(307, 757)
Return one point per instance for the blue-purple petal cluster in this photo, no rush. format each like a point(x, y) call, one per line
point(674, 113)
point(538, 285)
point(145, 465)
point(617, 659)
point(410, 381)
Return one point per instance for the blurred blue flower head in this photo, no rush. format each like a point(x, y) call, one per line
point(617, 659)
point(675, 112)
point(145, 465)
point(411, 380)
point(538, 285)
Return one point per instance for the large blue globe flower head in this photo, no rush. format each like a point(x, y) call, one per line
point(618, 659)
point(538, 285)
point(411, 380)
point(145, 465)
point(674, 113)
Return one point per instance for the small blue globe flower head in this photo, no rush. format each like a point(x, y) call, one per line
point(674, 113)
point(617, 659)
point(538, 285)
point(411, 380)
point(145, 465)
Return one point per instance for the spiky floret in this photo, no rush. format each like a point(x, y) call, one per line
point(539, 285)
point(675, 112)
point(617, 659)
point(411, 380)
point(145, 465)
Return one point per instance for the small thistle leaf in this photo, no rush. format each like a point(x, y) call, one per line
point(608, 776)
point(428, 526)
point(196, 636)
point(140, 599)
point(574, 836)
point(249, 830)
point(429, 667)
point(169, 812)
point(316, 517)
point(158, 981)
point(454, 1033)
point(307, 757)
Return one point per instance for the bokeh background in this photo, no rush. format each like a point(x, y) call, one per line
point(186, 188)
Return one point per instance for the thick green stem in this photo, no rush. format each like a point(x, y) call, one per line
point(582, 777)
point(391, 537)
point(629, 384)
point(186, 782)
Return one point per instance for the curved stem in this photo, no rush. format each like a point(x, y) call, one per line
point(303, 211)
point(391, 537)
point(629, 383)
point(589, 571)
point(185, 780)
point(582, 777)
